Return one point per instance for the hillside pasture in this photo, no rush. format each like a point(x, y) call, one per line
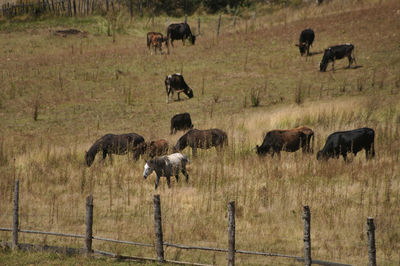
point(60, 94)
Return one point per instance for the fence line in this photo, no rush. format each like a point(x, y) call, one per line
point(159, 243)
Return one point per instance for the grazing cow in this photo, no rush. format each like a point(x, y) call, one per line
point(289, 140)
point(179, 31)
point(305, 41)
point(176, 83)
point(152, 148)
point(155, 40)
point(352, 141)
point(337, 52)
point(203, 139)
point(167, 166)
point(180, 122)
point(114, 144)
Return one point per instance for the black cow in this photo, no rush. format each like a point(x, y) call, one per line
point(343, 142)
point(305, 41)
point(179, 31)
point(337, 52)
point(181, 122)
point(175, 82)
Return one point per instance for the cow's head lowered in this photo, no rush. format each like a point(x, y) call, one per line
point(192, 39)
point(328, 55)
point(302, 47)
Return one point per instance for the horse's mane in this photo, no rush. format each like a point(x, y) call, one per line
point(95, 148)
point(182, 141)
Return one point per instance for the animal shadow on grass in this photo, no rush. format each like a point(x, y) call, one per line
point(345, 68)
point(315, 53)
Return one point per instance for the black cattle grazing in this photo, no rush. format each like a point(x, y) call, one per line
point(337, 52)
point(289, 140)
point(176, 83)
point(305, 41)
point(352, 141)
point(155, 40)
point(179, 31)
point(181, 122)
point(114, 144)
point(203, 139)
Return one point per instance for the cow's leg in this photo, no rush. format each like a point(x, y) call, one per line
point(157, 181)
point(168, 181)
point(185, 174)
point(333, 66)
point(168, 88)
point(177, 177)
point(179, 98)
point(194, 151)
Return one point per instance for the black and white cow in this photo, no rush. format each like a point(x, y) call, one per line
point(181, 122)
point(352, 141)
point(337, 52)
point(176, 83)
point(305, 41)
point(179, 31)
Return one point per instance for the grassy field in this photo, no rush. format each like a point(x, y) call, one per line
point(80, 88)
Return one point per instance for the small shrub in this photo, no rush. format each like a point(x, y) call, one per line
point(36, 106)
point(255, 97)
point(298, 98)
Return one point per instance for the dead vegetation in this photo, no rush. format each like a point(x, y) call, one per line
point(92, 86)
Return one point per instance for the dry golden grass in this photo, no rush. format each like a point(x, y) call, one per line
point(83, 88)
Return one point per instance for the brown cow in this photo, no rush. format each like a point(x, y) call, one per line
point(289, 140)
point(152, 148)
point(155, 40)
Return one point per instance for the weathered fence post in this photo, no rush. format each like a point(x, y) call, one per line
point(15, 216)
point(185, 18)
point(89, 225)
point(231, 233)
point(158, 228)
point(198, 26)
point(152, 18)
point(219, 24)
point(371, 242)
point(307, 235)
point(131, 8)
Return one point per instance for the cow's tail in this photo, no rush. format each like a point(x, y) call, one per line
point(312, 145)
point(167, 40)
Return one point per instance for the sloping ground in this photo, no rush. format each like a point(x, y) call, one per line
point(84, 88)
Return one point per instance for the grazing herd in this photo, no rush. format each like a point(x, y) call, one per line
point(275, 141)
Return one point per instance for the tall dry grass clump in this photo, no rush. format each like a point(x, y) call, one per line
point(88, 100)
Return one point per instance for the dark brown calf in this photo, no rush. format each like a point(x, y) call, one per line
point(289, 140)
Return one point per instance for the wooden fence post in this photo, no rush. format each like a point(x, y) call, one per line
point(15, 216)
point(198, 26)
point(371, 242)
point(158, 228)
point(219, 24)
point(231, 233)
point(185, 18)
point(307, 235)
point(131, 8)
point(89, 225)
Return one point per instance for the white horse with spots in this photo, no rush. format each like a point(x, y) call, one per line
point(167, 166)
